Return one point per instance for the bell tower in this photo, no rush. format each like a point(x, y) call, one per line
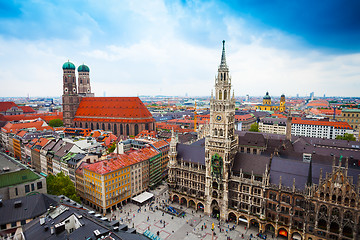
point(70, 99)
point(220, 145)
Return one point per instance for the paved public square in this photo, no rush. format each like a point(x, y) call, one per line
point(195, 225)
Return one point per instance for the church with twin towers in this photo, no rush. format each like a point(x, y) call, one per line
point(124, 116)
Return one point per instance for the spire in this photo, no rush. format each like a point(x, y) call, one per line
point(309, 179)
point(223, 58)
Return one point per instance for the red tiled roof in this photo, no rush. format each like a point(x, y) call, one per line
point(27, 109)
point(44, 116)
point(278, 115)
point(160, 144)
point(113, 109)
point(118, 161)
point(340, 125)
point(6, 105)
point(21, 133)
point(13, 127)
point(318, 103)
point(243, 117)
point(146, 133)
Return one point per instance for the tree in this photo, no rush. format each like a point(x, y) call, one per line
point(56, 123)
point(254, 127)
point(61, 185)
point(111, 147)
point(346, 136)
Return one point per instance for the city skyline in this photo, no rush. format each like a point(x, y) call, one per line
point(172, 47)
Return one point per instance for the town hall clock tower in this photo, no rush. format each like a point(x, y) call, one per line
point(220, 145)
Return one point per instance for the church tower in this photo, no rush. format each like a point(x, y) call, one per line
point(220, 145)
point(70, 97)
point(84, 81)
point(282, 103)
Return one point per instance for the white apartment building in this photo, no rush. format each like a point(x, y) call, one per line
point(319, 129)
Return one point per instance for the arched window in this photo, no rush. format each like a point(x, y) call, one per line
point(121, 129)
point(115, 129)
point(92, 126)
point(136, 129)
point(103, 126)
point(97, 126)
point(80, 125)
point(221, 76)
point(215, 132)
point(109, 127)
point(221, 132)
point(127, 130)
point(86, 125)
point(225, 95)
point(147, 126)
point(220, 95)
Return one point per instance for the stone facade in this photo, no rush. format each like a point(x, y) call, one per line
point(266, 183)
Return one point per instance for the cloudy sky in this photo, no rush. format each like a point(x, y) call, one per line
point(169, 47)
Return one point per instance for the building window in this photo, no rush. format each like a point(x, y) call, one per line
point(13, 224)
point(27, 188)
point(16, 191)
point(23, 222)
point(39, 185)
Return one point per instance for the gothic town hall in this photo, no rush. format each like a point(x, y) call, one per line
point(294, 188)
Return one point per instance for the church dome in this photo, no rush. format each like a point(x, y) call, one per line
point(282, 95)
point(68, 65)
point(267, 96)
point(83, 68)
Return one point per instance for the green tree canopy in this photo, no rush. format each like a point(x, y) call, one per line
point(61, 185)
point(254, 127)
point(111, 148)
point(56, 123)
point(346, 136)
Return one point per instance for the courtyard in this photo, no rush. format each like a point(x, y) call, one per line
point(193, 225)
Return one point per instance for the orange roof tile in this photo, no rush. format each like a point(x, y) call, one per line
point(6, 105)
point(13, 127)
point(44, 116)
point(123, 109)
point(27, 109)
point(340, 125)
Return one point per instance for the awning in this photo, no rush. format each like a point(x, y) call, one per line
point(142, 197)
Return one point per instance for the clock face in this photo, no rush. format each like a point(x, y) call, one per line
point(218, 118)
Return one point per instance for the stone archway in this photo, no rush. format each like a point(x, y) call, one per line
point(348, 231)
point(191, 204)
point(269, 228)
point(232, 217)
point(296, 236)
point(176, 199)
point(254, 223)
point(200, 206)
point(242, 220)
point(183, 201)
point(215, 209)
point(282, 233)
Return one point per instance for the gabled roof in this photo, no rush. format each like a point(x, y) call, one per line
point(124, 109)
point(27, 109)
point(4, 106)
point(31, 206)
point(13, 127)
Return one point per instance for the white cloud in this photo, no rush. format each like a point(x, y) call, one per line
point(172, 50)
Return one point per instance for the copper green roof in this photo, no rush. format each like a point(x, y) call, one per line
point(267, 96)
point(68, 65)
point(83, 68)
point(351, 110)
point(17, 177)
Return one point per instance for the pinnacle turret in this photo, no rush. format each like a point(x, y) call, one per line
point(223, 58)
